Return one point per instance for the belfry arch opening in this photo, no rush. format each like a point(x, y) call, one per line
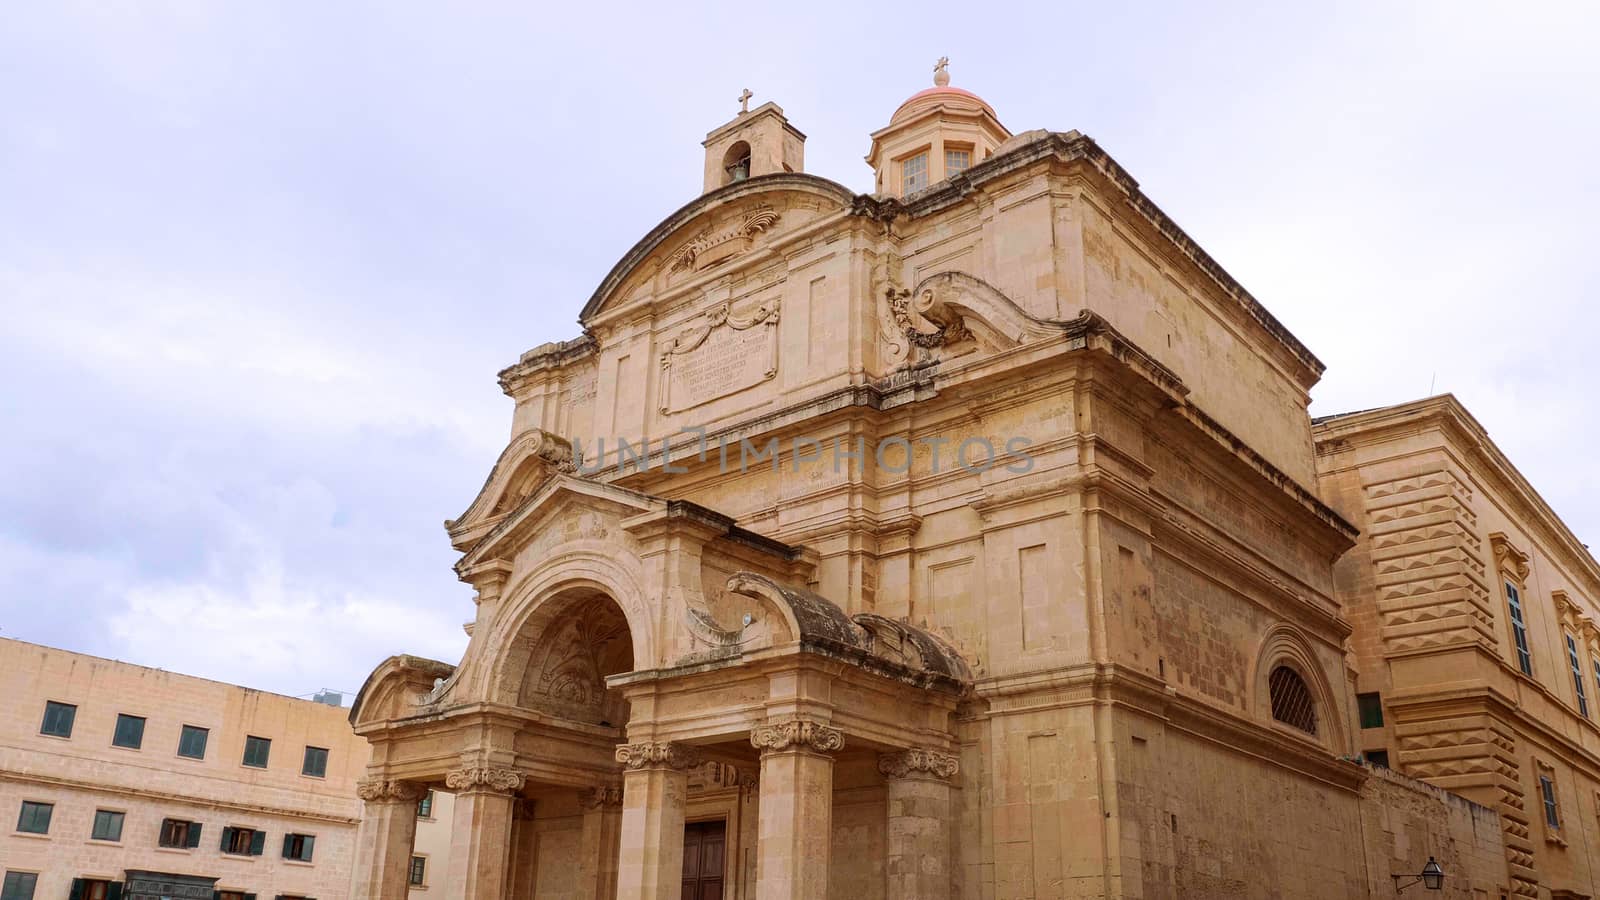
point(580, 638)
point(736, 163)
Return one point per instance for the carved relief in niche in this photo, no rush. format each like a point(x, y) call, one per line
point(569, 662)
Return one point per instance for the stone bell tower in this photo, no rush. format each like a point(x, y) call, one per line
point(757, 141)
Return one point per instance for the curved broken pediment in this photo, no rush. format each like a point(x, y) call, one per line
point(785, 614)
point(951, 313)
point(714, 229)
point(523, 467)
point(400, 687)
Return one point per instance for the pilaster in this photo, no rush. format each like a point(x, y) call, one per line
point(384, 840)
point(920, 809)
point(481, 831)
point(796, 820)
point(650, 846)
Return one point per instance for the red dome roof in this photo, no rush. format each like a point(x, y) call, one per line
point(933, 96)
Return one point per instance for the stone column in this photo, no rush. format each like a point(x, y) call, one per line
point(480, 838)
point(383, 842)
point(602, 831)
point(796, 829)
point(918, 850)
point(650, 849)
point(524, 864)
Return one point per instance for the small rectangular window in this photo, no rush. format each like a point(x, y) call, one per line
point(1519, 629)
point(956, 161)
point(107, 825)
point(130, 732)
point(243, 841)
point(298, 846)
point(914, 174)
point(19, 886)
point(180, 833)
point(58, 719)
point(1371, 710)
point(192, 742)
point(316, 762)
point(1547, 789)
point(35, 817)
point(1379, 758)
point(425, 806)
point(419, 869)
point(1577, 677)
point(256, 751)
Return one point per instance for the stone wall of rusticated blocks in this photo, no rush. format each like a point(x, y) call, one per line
point(1428, 559)
point(1475, 755)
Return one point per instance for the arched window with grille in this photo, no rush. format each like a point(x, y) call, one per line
point(1291, 700)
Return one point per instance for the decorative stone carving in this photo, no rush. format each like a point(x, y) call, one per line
point(605, 795)
point(377, 789)
point(1511, 561)
point(721, 355)
point(569, 662)
point(485, 778)
point(796, 734)
point(918, 762)
point(657, 755)
point(711, 247)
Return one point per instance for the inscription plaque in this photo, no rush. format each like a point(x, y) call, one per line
point(722, 355)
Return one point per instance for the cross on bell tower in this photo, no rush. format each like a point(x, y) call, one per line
point(753, 143)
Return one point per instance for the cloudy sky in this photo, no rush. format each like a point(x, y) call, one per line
point(259, 262)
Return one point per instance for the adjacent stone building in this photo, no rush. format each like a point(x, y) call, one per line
point(958, 540)
point(119, 780)
point(1476, 648)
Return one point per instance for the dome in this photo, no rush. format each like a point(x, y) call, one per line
point(927, 99)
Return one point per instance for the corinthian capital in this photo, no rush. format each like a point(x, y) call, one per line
point(377, 789)
point(484, 778)
point(918, 762)
point(657, 755)
point(796, 734)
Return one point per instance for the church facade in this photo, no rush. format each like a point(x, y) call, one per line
point(962, 539)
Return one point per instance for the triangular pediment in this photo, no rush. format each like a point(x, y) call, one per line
point(523, 467)
point(713, 232)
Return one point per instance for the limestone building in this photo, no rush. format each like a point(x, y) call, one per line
point(1476, 648)
point(957, 540)
point(124, 781)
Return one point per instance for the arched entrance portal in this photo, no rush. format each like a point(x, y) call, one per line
point(566, 656)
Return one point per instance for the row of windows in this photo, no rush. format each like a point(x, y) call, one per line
point(129, 733)
point(914, 169)
point(34, 818)
point(21, 886)
point(1519, 639)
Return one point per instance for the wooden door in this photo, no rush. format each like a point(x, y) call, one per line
point(704, 851)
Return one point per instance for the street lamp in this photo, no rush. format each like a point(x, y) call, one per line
point(1431, 876)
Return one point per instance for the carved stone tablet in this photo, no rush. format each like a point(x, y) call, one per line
point(722, 355)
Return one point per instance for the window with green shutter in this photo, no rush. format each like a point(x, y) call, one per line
point(107, 825)
point(95, 889)
point(58, 718)
point(180, 833)
point(130, 732)
point(425, 806)
point(298, 846)
point(35, 817)
point(256, 751)
point(19, 886)
point(316, 762)
point(1370, 707)
point(243, 841)
point(192, 742)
